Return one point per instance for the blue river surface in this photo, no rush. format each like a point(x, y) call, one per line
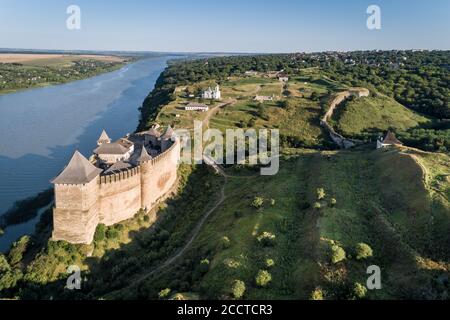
point(41, 128)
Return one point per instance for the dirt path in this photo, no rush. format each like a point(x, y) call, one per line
point(164, 265)
point(214, 110)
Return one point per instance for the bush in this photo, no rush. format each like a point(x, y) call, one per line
point(231, 263)
point(333, 202)
point(359, 291)
point(18, 249)
point(317, 205)
point(204, 266)
point(112, 233)
point(9, 279)
point(238, 289)
point(119, 227)
point(317, 294)
point(225, 242)
point(337, 254)
point(363, 251)
point(100, 232)
point(263, 278)
point(320, 193)
point(164, 293)
point(4, 265)
point(270, 263)
point(258, 202)
point(266, 238)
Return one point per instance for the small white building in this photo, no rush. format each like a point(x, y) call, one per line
point(283, 77)
point(196, 107)
point(212, 93)
point(251, 73)
point(264, 98)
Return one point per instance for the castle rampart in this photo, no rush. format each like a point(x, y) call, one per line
point(109, 198)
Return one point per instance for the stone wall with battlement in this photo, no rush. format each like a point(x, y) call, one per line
point(110, 199)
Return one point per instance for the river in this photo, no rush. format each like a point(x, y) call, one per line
point(41, 128)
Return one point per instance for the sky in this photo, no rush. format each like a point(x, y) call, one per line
point(265, 26)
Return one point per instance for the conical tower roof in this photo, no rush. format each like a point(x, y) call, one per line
point(104, 138)
point(169, 133)
point(78, 171)
point(391, 139)
point(144, 156)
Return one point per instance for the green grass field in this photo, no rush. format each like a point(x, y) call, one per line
point(369, 116)
point(363, 186)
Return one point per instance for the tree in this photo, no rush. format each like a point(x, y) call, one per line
point(225, 242)
point(337, 253)
point(317, 294)
point(359, 291)
point(320, 193)
point(270, 263)
point(363, 251)
point(204, 266)
point(100, 232)
point(266, 238)
point(238, 289)
point(258, 202)
point(4, 265)
point(263, 278)
point(112, 233)
point(164, 293)
point(317, 205)
point(333, 202)
point(17, 250)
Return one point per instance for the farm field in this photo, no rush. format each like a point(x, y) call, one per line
point(23, 71)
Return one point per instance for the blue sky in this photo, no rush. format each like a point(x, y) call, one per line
point(226, 25)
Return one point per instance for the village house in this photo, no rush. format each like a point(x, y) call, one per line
point(251, 73)
point(192, 106)
point(388, 140)
point(283, 77)
point(213, 94)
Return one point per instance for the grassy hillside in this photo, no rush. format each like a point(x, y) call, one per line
point(377, 198)
point(370, 116)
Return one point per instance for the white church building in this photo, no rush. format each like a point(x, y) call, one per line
point(212, 93)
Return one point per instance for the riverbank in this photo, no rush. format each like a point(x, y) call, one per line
point(20, 72)
point(79, 110)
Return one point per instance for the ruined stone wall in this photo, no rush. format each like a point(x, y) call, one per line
point(119, 196)
point(337, 138)
point(75, 215)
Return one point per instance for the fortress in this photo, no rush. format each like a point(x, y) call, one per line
point(118, 180)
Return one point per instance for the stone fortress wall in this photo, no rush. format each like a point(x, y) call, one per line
point(337, 138)
point(109, 199)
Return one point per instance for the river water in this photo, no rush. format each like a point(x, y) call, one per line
point(41, 128)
